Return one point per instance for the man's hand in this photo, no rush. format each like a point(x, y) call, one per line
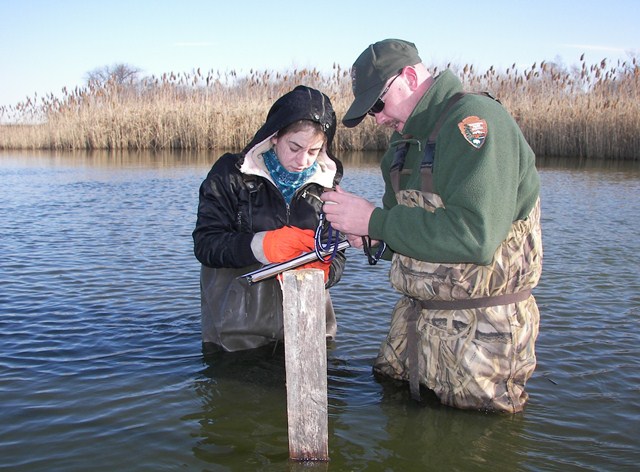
point(348, 213)
point(355, 241)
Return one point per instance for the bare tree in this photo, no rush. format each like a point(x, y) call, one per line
point(120, 74)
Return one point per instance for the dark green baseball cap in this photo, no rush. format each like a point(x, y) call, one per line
point(377, 64)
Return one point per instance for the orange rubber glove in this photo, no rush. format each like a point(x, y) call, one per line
point(318, 265)
point(283, 244)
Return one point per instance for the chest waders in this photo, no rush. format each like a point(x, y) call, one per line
point(465, 331)
point(236, 315)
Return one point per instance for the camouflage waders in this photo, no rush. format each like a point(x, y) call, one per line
point(466, 331)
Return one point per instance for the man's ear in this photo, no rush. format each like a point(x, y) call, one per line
point(411, 76)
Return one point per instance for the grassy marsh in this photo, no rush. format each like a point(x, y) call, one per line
point(586, 111)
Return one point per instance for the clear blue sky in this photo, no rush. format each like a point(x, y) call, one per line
point(46, 45)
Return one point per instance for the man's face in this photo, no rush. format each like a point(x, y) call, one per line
point(394, 113)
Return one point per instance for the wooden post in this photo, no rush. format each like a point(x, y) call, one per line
point(306, 364)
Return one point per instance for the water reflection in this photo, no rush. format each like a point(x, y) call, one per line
point(244, 414)
point(116, 159)
point(442, 438)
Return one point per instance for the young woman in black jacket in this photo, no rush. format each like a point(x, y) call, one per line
point(262, 206)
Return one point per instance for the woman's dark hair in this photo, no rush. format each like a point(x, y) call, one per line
point(303, 125)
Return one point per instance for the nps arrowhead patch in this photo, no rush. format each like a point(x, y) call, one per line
point(474, 130)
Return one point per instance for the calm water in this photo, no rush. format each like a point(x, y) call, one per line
point(100, 363)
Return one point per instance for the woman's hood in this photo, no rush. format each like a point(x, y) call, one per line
point(302, 103)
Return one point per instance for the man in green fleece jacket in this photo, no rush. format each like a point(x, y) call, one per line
point(461, 223)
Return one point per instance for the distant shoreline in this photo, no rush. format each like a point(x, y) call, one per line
point(591, 111)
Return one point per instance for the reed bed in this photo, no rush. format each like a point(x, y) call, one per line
point(588, 111)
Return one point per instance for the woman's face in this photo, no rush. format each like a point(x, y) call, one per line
point(298, 150)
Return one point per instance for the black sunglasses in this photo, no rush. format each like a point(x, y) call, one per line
point(378, 106)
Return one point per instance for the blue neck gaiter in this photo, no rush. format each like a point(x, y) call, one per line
point(287, 182)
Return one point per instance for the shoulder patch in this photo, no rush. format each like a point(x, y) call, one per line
point(474, 130)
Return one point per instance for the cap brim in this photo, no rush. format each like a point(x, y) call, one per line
point(361, 105)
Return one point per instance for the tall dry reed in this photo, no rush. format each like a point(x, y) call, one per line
point(590, 111)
